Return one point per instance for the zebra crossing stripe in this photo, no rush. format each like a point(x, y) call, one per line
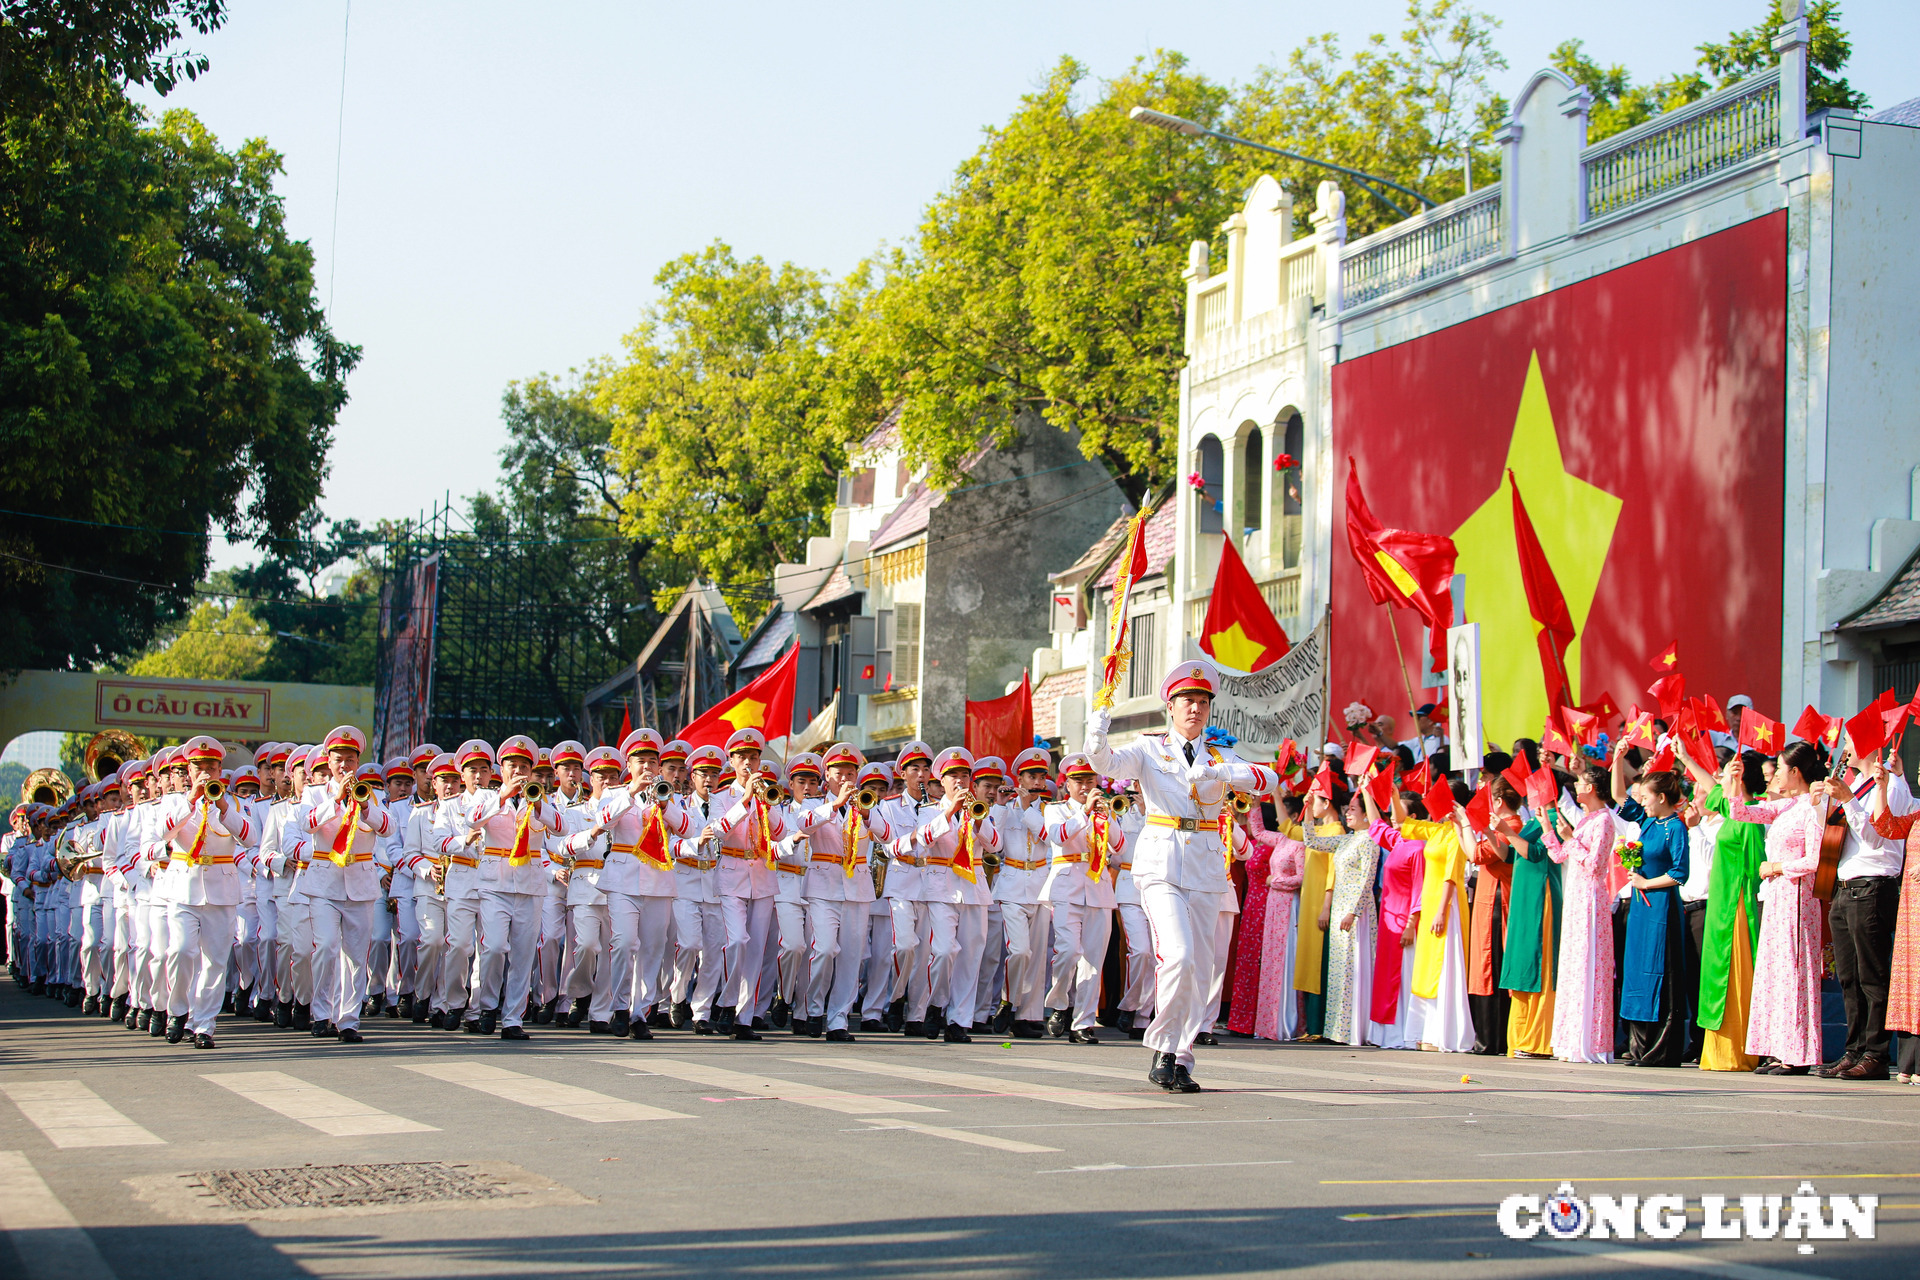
point(999, 1085)
point(72, 1115)
point(547, 1095)
point(741, 1082)
point(323, 1109)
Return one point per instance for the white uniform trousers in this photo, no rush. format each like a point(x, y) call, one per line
point(430, 918)
point(379, 949)
point(959, 942)
point(555, 934)
point(1139, 939)
point(198, 942)
point(1026, 925)
point(293, 954)
point(650, 921)
point(1184, 925)
point(456, 961)
point(124, 934)
point(793, 926)
point(156, 966)
point(1080, 937)
point(266, 914)
point(834, 959)
point(1217, 988)
point(596, 962)
point(509, 933)
point(406, 946)
point(699, 959)
point(909, 955)
point(96, 945)
point(878, 978)
point(243, 966)
point(993, 966)
point(342, 953)
point(748, 921)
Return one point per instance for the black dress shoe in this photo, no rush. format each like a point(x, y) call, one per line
point(870, 1026)
point(489, 1019)
point(1183, 1081)
point(840, 1035)
point(744, 1033)
point(119, 1011)
point(780, 1013)
point(265, 1011)
point(1161, 1073)
point(957, 1034)
point(913, 1029)
point(639, 1031)
point(936, 1023)
point(1833, 1070)
point(760, 1024)
point(393, 1011)
point(578, 1013)
point(1079, 1036)
point(681, 1016)
point(1002, 1018)
point(896, 1018)
point(453, 1018)
point(283, 1014)
point(470, 1027)
point(226, 1005)
point(146, 1020)
point(420, 1010)
point(799, 1026)
point(657, 1017)
point(1125, 1021)
point(702, 1027)
point(177, 1028)
point(816, 1027)
point(324, 1030)
point(302, 1017)
point(1027, 1029)
point(540, 1014)
point(622, 1022)
point(201, 1040)
point(243, 1003)
point(514, 1033)
point(91, 1007)
point(405, 1008)
point(349, 1036)
point(1056, 1023)
point(598, 1028)
point(437, 1020)
point(132, 1021)
point(1207, 1038)
point(159, 1027)
point(723, 1018)
point(379, 1003)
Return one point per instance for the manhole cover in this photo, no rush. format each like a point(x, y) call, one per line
point(348, 1186)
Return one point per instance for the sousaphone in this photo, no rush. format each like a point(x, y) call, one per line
point(110, 749)
point(46, 786)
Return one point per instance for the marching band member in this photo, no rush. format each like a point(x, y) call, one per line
point(460, 867)
point(1180, 865)
point(1026, 918)
point(129, 897)
point(96, 898)
point(876, 941)
point(1079, 889)
point(956, 841)
point(1136, 1000)
point(894, 823)
point(700, 959)
point(551, 954)
point(593, 957)
point(404, 795)
point(293, 974)
point(748, 827)
point(641, 820)
point(991, 986)
point(243, 965)
point(343, 882)
point(792, 857)
point(838, 893)
point(270, 815)
point(201, 888)
point(430, 891)
point(171, 780)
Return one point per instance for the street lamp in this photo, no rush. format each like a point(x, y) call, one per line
point(1194, 129)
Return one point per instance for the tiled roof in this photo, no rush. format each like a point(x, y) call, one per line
point(769, 644)
point(838, 586)
point(1907, 112)
point(1046, 699)
point(883, 435)
point(909, 519)
point(1897, 604)
point(1162, 535)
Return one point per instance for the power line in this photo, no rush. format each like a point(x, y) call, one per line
point(339, 144)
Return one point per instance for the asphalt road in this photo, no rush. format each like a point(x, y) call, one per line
point(121, 1156)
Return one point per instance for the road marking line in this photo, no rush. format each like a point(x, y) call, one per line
point(1810, 1115)
point(323, 1109)
point(1127, 1168)
point(546, 1095)
point(1708, 1146)
point(1352, 1078)
point(766, 1087)
point(961, 1135)
point(72, 1115)
point(1673, 1260)
point(996, 1084)
point(1639, 1177)
point(1211, 1083)
point(60, 1248)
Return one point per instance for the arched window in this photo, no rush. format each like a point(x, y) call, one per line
point(1209, 498)
point(1292, 484)
point(1252, 459)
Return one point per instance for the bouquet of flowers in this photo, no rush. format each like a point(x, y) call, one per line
point(1628, 854)
point(1357, 714)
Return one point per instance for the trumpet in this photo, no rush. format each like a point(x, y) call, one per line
point(213, 790)
point(662, 791)
point(865, 798)
point(362, 791)
point(1242, 802)
point(1119, 806)
point(533, 793)
point(976, 810)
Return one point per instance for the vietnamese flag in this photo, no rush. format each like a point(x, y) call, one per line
point(1554, 739)
point(1411, 570)
point(1553, 624)
point(1542, 790)
point(1479, 809)
point(1360, 759)
point(626, 721)
point(1811, 726)
point(1768, 737)
point(1002, 726)
point(1640, 729)
point(765, 704)
point(1240, 631)
point(1867, 730)
point(1668, 659)
point(1662, 761)
point(1670, 692)
point(1708, 715)
point(1602, 708)
point(1583, 725)
point(1380, 787)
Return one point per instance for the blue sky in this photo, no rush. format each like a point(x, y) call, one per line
point(512, 176)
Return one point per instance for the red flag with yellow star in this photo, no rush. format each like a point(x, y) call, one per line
point(765, 704)
point(1668, 659)
point(1811, 726)
point(1553, 623)
point(1412, 570)
point(1768, 737)
point(1240, 631)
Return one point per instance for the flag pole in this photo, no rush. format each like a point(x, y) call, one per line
point(1393, 629)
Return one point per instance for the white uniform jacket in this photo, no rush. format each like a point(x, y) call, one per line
point(1193, 859)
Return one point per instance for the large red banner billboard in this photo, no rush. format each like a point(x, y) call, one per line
point(1642, 412)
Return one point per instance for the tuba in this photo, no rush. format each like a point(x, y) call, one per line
point(108, 750)
point(47, 786)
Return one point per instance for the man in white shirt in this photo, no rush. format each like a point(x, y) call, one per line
point(1180, 865)
point(201, 887)
point(956, 839)
point(1026, 919)
point(1084, 840)
point(893, 822)
point(749, 827)
point(838, 895)
point(1866, 899)
point(700, 932)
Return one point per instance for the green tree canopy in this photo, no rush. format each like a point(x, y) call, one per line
point(217, 641)
point(164, 367)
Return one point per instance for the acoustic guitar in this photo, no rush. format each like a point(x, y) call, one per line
point(1833, 842)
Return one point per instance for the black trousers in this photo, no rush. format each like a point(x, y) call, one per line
point(1663, 1043)
point(1861, 919)
point(1687, 993)
point(1489, 1013)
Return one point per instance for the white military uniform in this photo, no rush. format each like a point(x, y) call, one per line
point(894, 822)
point(746, 896)
point(638, 895)
point(956, 908)
point(511, 897)
point(429, 908)
point(345, 900)
point(200, 884)
point(1082, 908)
point(838, 898)
point(1025, 917)
point(1138, 995)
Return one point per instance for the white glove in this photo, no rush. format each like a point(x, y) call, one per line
point(1099, 721)
point(1201, 771)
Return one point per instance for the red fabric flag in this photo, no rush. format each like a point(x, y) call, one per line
point(1670, 692)
point(1768, 737)
point(1893, 719)
point(1322, 784)
point(1360, 759)
point(1583, 725)
point(1479, 809)
point(1662, 760)
point(1867, 730)
point(1699, 747)
point(765, 704)
point(1439, 800)
point(1240, 631)
point(1553, 738)
point(1668, 659)
point(1811, 726)
point(1640, 729)
point(1002, 726)
point(1412, 570)
point(1708, 715)
point(1542, 790)
point(1380, 787)
point(1602, 709)
point(626, 722)
point(1421, 778)
point(1133, 567)
point(1517, 774)
point(1545, 602)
